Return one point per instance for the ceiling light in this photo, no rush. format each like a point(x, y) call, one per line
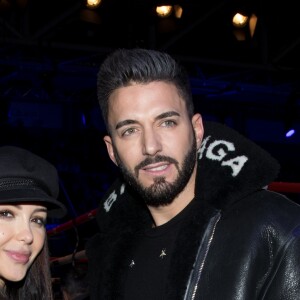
point(252, 24)
point(178, 11)
point(164, 11)
point(93, 3)
point(239, 20)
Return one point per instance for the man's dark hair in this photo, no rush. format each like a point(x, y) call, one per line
point(126, 66)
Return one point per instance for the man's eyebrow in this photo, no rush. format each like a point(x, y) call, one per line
point(167, 115)
point(124, 123)
point(159, 117)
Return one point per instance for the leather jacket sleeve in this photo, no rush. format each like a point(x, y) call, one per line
point(285, 284)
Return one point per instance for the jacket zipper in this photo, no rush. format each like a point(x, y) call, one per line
point(195, 275)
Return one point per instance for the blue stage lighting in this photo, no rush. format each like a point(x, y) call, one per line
point(290, 133)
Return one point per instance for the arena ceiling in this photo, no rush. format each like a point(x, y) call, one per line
point(62, 36)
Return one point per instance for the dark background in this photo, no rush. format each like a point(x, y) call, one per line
point(50, 51)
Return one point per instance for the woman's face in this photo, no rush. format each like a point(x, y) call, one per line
point(22, 237)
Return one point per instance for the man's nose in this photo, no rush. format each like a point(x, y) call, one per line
point(151, 142)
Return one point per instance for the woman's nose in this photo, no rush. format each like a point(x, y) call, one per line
point(25, 234)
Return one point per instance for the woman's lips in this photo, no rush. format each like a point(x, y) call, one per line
point(19, 257)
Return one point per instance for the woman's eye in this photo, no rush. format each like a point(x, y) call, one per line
point(39, 221)
point(6, 214)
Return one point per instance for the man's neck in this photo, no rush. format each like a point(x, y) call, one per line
point(163, 214)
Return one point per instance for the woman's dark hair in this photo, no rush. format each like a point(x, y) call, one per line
point(37, 283)
point(124, 67)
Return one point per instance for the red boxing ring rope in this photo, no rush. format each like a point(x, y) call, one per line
point(285, 187)
point(79, 220)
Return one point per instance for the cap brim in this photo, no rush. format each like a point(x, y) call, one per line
point(55, 209)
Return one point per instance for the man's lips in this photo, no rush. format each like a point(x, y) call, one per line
point(159, 167)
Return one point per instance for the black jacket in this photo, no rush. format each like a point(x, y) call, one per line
point(242, 243)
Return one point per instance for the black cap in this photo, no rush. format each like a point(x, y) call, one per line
point(26, 177)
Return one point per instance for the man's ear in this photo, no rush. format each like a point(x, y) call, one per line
point(198, 129)
point(110, 148)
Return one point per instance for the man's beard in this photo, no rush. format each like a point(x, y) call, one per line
point(161, 192)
